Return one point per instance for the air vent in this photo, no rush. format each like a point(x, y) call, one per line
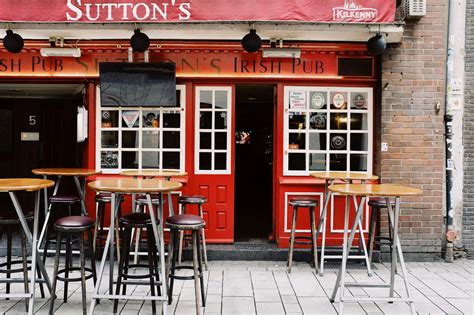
point(415, 8)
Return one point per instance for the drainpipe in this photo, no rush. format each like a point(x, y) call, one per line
point(448, 121)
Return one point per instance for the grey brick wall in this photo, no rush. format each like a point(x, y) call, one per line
point(468, 211)
point(413, 74)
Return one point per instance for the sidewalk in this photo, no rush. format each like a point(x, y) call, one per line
point(264, 287)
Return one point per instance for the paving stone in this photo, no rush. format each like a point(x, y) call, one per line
point(238, 305)
point(270, 308)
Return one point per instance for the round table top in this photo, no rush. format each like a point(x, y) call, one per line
point(65, 171)
point(380, 190)
point(134, 185)
point(343, 175)
point(154, 173)
point(28, 184)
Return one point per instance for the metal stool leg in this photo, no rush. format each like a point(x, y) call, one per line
point(68, 264)
point(372, 230)
point(55, 273)
point(314, 240)
point(195, 268)
point(151, 245)
point(181, 237)
point(83, 273)
point(292, 238)
point(201, 275)
point(172, 258)
point(9, 255)
point(24, 259)
point(203, 232)
point(125, 256)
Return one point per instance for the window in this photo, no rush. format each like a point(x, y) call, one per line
point(141, 137)
point(327, 129)
point(213, 126)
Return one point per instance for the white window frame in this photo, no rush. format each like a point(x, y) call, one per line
point(140, 129)
point(197, 130)
point(328, 131)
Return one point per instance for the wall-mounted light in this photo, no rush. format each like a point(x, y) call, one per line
point(13, 42)
point(139, 41)
point(280, 52)
point(376, 44)
point(57, 49)
point(251, 42)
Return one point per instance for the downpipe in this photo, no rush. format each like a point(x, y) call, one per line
point(450, 232)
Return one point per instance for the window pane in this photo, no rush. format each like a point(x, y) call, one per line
point(206, 99)
point(220, 160)
point(205, 140)
point(109, 159)
point(359, 100)
point(150, 159)
point(129, 139)
point(317, 100)
point(220, 140)
point(151, 119)
point(338, 100)
point(338, 162)
point(359, 141)
point(205, 161)
point(171, 160)
point(130, 118)
point(171, 120)
point(151, 139)
point(220, 120)
point(338, 141)
point(297, 141)
point(130, 159)
point(109, 139)
point(297, 120)
point(317, 141)
point(297, 161)
point(317, 162)
point(171, 139)
point(359, 162)
point(359, 121)
point(338, 121)
point(109, 119)
point(205, 120)
point(221, 99)
point(317, 121)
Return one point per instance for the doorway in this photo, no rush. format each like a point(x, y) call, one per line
point(254, 113)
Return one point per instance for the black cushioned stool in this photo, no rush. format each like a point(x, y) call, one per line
point(141, 206)
point(192, 200)
point(73, 225)
point(377, 204)
point(55, 201)
point(99, 234)
point(193, 223)
point(7, 222)
point(310, 204)
point(129, 222)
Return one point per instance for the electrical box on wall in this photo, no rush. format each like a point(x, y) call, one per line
point(415, 8)
point(82, 124)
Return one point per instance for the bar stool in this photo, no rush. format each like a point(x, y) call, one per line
point(193, 223)
point(141, 206)
point(192, 200)
point(55, 201)
point(102, 199)
point(137, 221)
point(310, 204)
point(73, 225)
point(377, 204)
point(8, 221)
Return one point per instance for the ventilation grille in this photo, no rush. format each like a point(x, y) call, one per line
point(415, 8)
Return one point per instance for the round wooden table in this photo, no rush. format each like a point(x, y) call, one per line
point(386, 191)
point(10, 186)
point(329, 178)
point(116, 187)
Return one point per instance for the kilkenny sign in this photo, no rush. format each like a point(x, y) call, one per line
point(161, 11)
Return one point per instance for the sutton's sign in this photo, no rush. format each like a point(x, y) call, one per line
point(160, 11)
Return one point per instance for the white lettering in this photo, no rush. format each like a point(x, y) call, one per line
point(75, 9)
point(185, 9)
point(125, 7)
point(156, 8)
point(135, 11)
point(109, 10)
point(88, 12)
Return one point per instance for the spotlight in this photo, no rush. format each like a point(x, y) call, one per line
point(376, 44)
point(13, 42)
point(251, 42)
point(139, 41)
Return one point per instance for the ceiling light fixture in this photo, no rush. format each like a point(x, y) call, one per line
point(139, 41)
point(13, 42)
point(251, 42)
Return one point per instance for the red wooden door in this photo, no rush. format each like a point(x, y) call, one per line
point(213, 159)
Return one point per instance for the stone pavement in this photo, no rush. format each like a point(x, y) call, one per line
point(264, 287)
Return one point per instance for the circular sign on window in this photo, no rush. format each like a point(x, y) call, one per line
point(338, 143)
point(317, 121)
point(317, 101)
point(359, 101)
point(105, 115)
point(338, 100)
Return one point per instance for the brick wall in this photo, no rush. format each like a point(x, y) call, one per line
point(413, 74)
point(468, 211)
